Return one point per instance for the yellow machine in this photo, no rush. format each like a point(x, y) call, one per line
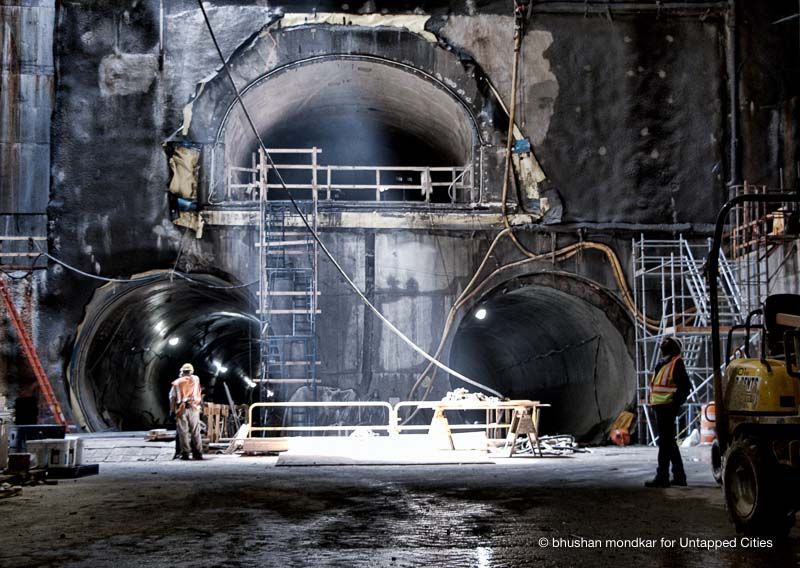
point(756, 456)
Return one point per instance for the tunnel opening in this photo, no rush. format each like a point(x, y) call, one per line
point(541, 343)
point(386, 132)
point(135, 337)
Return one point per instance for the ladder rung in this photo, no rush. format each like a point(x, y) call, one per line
point(293, 363)
point(289, 293)
point(271, 244)
point(288, 381)
point(288, 312)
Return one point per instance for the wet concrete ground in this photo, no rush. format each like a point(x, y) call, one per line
point(237, 511)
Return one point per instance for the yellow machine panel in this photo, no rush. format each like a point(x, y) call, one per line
point(750, 385)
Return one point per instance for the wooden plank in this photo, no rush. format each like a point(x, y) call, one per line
point(239, 438)
point(789, 320)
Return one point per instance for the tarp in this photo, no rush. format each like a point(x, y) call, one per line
point(184, 165)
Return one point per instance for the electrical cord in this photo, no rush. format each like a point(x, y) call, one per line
point(314, 234)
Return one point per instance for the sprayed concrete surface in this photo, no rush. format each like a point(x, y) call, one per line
point(237, 511)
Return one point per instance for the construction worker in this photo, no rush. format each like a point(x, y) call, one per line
point(184, 402)
point(669, 389)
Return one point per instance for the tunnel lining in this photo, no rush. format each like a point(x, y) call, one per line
point(388, 106)
point(553, 338)
point(123, 359)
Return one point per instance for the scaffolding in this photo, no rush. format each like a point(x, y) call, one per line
point(758, 232)
point(672, 293)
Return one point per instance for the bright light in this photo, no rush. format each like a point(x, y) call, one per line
point(480, 314)
point(160, 326)
point(174, 341)
point(249, 382)
point(219, 367)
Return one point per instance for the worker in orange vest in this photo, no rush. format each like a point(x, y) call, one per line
point(184, 402)
point(669, 389)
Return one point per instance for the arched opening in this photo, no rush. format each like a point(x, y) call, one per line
point(135, 337)
point(540, 343)
point(363, 113)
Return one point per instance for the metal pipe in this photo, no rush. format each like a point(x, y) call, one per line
point(733, 96)
point(161, 35)
point(603, 8)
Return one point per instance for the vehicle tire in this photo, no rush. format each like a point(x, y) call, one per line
point(716, 462)
point(753, 490)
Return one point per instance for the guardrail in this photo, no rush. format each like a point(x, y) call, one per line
point(389, 426)
point(345, 183)
point(498, 415)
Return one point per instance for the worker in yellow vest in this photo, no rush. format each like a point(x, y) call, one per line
point(669, 389)
point(185, 400)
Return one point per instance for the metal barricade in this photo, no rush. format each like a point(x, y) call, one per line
point(498, 415)
point(388, 427)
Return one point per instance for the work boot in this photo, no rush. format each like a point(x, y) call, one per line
point(679, 480)
point(657, 482)
point(185, 457)
point(197, 456)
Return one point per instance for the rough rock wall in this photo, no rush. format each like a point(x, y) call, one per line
point(770, 86)
point(26, 103)
point(628, 115)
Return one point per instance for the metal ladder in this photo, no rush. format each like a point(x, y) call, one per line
point(288, 292)
point(30, 354)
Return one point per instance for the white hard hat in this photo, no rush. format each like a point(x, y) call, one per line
point(187, 367)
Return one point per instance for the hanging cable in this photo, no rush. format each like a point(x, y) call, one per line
point(314, 234)
point(149, 278)
point(102, 278)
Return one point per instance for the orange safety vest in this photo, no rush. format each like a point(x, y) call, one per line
point(663, 387)
point(187, 390)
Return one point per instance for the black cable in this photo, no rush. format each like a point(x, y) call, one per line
point(150, 278)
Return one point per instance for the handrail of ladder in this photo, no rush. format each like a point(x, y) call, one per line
point(31, 355)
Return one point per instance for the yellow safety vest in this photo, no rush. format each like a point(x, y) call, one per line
point(663, 387)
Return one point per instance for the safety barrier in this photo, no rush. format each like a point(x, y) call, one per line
point(498, 415)
point(389, 426)
point(344, 182)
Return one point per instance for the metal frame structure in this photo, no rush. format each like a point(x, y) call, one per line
point(671, 291)
point(671, 285)
point(288, 294)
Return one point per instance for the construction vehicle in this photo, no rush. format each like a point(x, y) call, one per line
point(756, 456)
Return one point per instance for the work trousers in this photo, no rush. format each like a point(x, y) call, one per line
point(668, 451)
point(187, 424)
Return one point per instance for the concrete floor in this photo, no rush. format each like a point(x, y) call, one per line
point(238, 511)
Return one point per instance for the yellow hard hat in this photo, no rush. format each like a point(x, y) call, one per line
point(187, 367)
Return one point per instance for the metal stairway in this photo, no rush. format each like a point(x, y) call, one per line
point(673, 272)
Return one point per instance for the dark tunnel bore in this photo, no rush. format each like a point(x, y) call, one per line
point(133, 341)
point(360, 111)
point(543, 344)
